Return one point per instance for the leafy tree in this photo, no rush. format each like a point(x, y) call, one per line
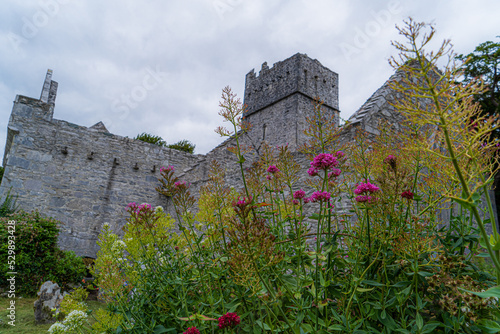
point(484, 63)
point(152, 139)
point(183, 145)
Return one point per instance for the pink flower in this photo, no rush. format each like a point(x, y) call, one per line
point(242, 201)
point(299, 194)
point(312, 171)
point(192, 330)
point(363, 198)
point(340, 154)
point(319, 196)
point(407, 194)
point(169, 168)
point(295, 202)
point(334, 173)
point(273, 169)
point(324, 161)
point(366, 188)
point(229, 320)
point(268, 177)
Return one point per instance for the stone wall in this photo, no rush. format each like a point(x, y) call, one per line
point(78, 175)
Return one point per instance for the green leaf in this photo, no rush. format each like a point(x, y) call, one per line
point(488, 326)
point(373, 283)
point(401, 284)
point(364, 290)
point(463, 203)
point(262, 325)
point(491, 292)
point(160, 329)
point(419, 321)
point(430, 327)
point(425, 273)
point(315, 216)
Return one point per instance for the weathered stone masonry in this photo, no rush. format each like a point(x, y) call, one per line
point(84, 177)
point(81, 176)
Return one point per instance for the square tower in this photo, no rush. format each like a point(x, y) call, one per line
point(281, 97)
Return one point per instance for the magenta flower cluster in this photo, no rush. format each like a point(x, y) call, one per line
point(229, 320)
point(364, 190)
point(325, 161)
point(169, 168)
point(192, 330)
point(319, 196)
point(334, 173)
point(299, 194)
point(133, 207)
point(407, 194)
point(273, 169)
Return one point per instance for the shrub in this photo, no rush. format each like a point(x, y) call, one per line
point(183, 145)
point(37, 256)
point(9, 205)
point(152, 139)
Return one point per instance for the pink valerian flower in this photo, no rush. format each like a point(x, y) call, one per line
point(366, 188)
point(131, 205)
point(299, 194)
point(268, 177)
point(334, 173)
point(312, 171)
point(319, 196)
point(363, 199)
point(144, 207)
point(192, 330)
point(407, 194)
point(340, 154)
point(229, 320)
point(324, 161)
point(295, 202)
point(169, 168)
point(273, 169)
point(242, 202)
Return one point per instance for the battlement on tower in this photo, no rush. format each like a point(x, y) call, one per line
point(298, 74)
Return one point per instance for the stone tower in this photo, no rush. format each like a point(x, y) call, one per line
point(280, 97)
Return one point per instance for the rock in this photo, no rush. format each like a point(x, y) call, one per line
point(49, 298)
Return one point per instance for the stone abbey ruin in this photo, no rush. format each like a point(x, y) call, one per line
point(85, 177)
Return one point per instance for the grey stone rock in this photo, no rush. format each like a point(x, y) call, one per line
point(49, 299)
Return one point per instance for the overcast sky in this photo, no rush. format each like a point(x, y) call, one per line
point(159, 66)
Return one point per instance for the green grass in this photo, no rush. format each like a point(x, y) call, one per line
point(25, 316)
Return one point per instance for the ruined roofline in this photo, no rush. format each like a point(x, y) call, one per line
point(277, 64)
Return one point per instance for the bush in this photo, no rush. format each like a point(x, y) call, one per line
point(9, 205)
point(183, 145)
point(152, 139)
point(37, 256)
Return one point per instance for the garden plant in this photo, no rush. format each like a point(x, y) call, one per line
point(359, 248)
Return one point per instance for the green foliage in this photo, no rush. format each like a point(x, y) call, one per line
point(484, 63)
point(2, 170)
point(152, 139)
point(37, 256)
point(183, 145)
point(9, 205)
